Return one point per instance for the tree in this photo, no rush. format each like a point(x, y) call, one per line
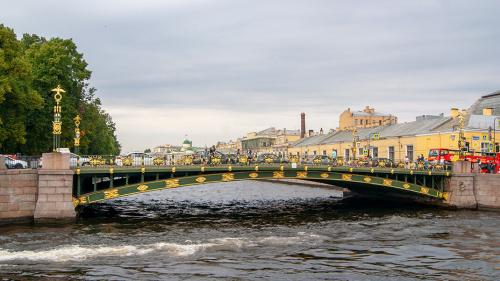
point(57, 61)
point(54, 62)
point(29, 69)
point(17, 97)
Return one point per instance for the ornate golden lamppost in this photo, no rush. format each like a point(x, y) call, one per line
point(57, 123)
point(77, 133)
point(355, 139)
point(461, 133)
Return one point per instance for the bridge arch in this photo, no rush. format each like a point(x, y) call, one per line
point(334, 178)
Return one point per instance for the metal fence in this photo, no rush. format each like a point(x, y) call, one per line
point(22, 162)
point(269, 159)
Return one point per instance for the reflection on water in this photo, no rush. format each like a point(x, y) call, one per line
point(255, 230)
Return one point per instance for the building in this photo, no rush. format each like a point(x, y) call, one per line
point(187, 146)
point(164, 149)
point(366, 118)
point(284, 139)
point(229, 147)
point(270, 140)
point(411, 139)
point(173, 153)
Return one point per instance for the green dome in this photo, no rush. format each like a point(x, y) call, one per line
point(186, 141)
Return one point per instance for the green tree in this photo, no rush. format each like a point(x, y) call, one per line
point(29, 69)
point(99, 134)
point(17, 97)
point(58, 62)
point(54, 62)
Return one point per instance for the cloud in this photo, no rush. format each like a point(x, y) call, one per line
point(239, 63)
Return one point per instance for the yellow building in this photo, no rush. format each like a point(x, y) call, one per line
point(411, 139)
point(366, 118)
point(270, 140)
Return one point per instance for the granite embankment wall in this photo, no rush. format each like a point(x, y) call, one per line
point(474, 190)
point(18, 194)
point(37, 194)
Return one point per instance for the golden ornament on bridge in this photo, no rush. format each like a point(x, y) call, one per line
point(278, 175)
point(112, 193)
point(57, 96)
point(227, 177)
point(142, 187)
point(56, 127)
point(201, 179)
point(301, 174)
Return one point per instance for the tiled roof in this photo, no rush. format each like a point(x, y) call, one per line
point(362, 113)
point(481, 122)
point(271, 131)
point(396, 130)
point(492, 100)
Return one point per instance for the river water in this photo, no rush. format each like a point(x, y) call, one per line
point(255, 231)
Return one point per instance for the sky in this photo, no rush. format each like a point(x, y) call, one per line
point(215, 70)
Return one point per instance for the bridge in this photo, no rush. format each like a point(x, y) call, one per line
point(99, 183)
point(62, 186)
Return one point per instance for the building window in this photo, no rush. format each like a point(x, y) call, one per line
point(375, 152)
point(314, 152)
point(360, 151)
point(485, 147)
point(391, 153)
point(324, 152)
point(264, 144)
point(409, 152)
point(380, 122)
point(346, 154)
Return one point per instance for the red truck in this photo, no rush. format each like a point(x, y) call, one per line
point(489, 162)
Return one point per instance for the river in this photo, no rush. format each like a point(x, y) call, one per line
point(255, 231)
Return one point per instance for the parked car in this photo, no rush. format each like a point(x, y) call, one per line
point(81, 160)
point(12, 163)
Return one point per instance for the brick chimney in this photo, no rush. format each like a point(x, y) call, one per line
point(302, 125)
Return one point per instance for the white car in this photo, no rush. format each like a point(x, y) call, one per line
point(12, 163)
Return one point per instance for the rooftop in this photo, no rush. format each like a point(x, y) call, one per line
point(366, 114)
point(491, 100)
point(396, 130)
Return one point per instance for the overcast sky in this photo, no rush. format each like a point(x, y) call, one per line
point(215, 70)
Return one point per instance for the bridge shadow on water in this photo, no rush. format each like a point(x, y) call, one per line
point(295, 204)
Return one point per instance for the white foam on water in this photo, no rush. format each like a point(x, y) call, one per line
point(77, 252)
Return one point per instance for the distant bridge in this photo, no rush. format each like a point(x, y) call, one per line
point(106, 182)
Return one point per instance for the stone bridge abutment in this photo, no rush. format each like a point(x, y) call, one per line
point(40, 194)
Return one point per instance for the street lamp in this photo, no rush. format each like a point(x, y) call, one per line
point(495, 134)
point(77, 133)
point(461, 133)
point(355, 139)
point(57, 123)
